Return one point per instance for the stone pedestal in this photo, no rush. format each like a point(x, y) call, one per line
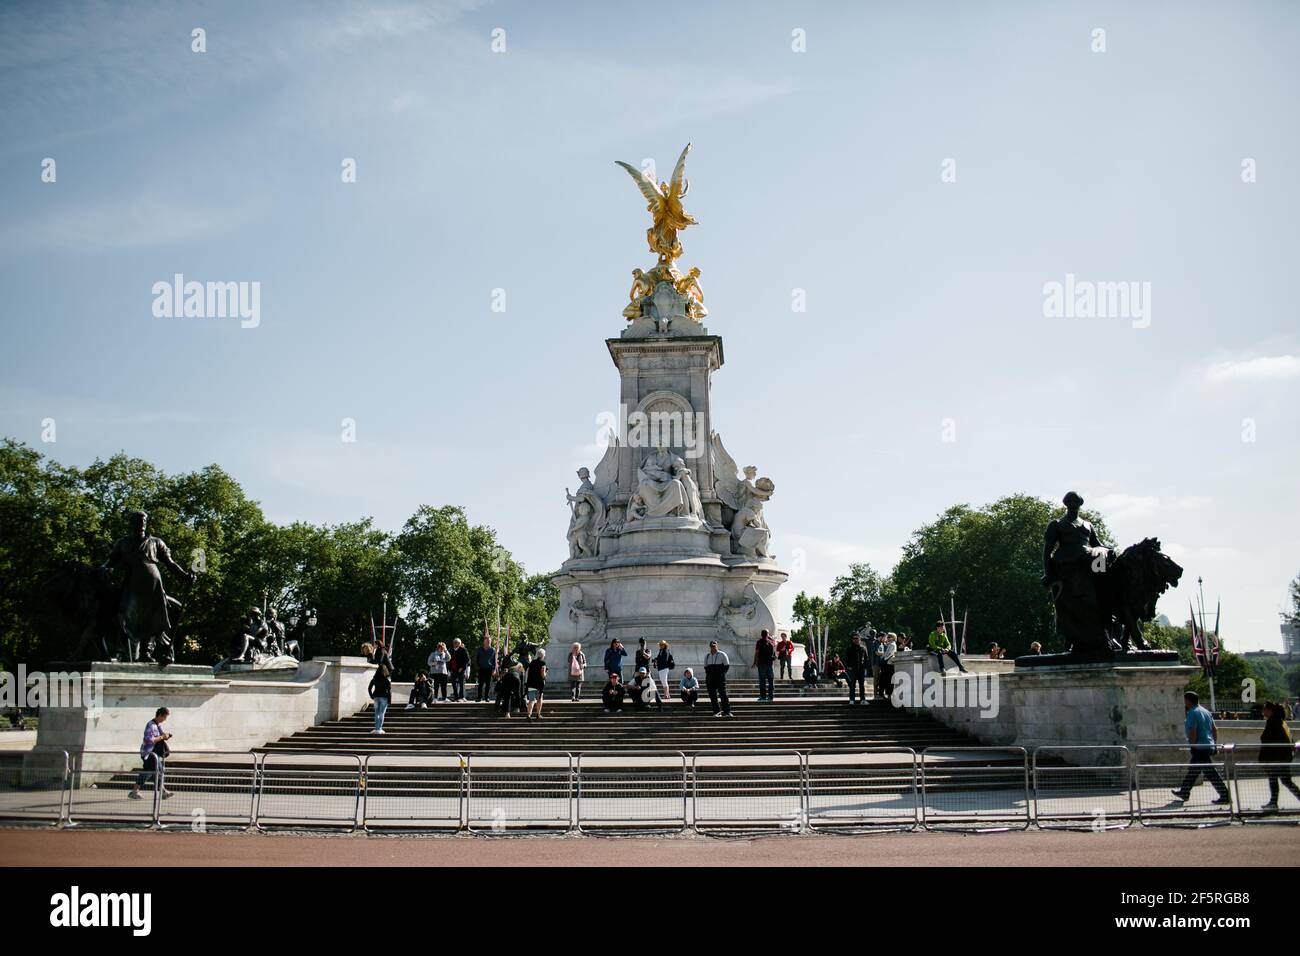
point(208, 713)
point(1081, 705)
point(678, 578)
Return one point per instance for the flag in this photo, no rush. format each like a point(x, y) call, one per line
point(1198, 640)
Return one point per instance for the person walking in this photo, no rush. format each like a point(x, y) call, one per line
point(577, 671)
point(1201, 740)
point(381, 692)
point(486, 662)
point(716, 665)
point(856, 663)
point(614, 655)
point(439, 668)
point(536, 684)
point(940, 647)
point(764, 659)
point(665, 665)
point(1277, 749)
point(785, 655)
point(688, 688)
point(153, 747)
point(459, 668)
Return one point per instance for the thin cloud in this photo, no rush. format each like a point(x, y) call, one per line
point(1263, 368)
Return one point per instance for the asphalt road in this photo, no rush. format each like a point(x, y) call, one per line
point(1258, 845)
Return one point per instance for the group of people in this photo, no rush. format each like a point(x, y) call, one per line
point(650, 684)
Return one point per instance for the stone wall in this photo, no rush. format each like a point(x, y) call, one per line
point(208, 713)
point(1080, 705)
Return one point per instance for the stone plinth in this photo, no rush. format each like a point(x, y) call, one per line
point(1079, 705)
point(208, 713)
point(675, 577)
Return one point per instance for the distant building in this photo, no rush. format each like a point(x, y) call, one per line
point(1290, 639)
point(1162, 620)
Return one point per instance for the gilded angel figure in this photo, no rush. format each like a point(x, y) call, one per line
point(665, 206)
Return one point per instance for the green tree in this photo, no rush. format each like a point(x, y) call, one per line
point(993, 559)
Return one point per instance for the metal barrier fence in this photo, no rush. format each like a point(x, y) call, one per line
point(734, 790)
point(33, 785)
point(524, 790)
point(1080, 787)
point(859, 790)
point(632, 792)
point(1265, 789)
point(113, 787)
point(982, 787)
point(715, 791)
point(414, 791)
point(308, 790)
point(208, 789)
point(1182, 785)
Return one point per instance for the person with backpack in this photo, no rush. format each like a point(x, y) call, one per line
point(665, 665)
point(1277, 749)
point(577, 671)
point(764, 658)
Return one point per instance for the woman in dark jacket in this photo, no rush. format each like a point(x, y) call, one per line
point(381, 692)
point(1277, 747)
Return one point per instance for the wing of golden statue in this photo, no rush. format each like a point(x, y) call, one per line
point(679, 184)
point(644, 183)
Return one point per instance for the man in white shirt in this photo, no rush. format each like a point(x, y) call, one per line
point(716, 665)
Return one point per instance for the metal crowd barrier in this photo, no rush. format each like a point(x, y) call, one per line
point(642, 792)
point(1256, 783)
point(748, 790)
point(304, 790)
point(1161, 769)
point(510, 791)
point(980, 787)
point(100, 784)
point(716, 791)
point(414, 791)
point(1082, 787)
point(33, 786)
point(215, 788)
point(870, 789)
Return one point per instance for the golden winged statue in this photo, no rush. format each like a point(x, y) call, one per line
point(665, 205)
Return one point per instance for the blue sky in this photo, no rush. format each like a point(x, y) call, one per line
point(816, 170)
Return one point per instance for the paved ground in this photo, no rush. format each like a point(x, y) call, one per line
point(1254, 845)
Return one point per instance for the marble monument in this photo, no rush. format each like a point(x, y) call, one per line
point(667, 537)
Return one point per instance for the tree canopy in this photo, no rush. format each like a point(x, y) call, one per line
point(445, 576)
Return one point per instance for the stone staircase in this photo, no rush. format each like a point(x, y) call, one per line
point(785, 724)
